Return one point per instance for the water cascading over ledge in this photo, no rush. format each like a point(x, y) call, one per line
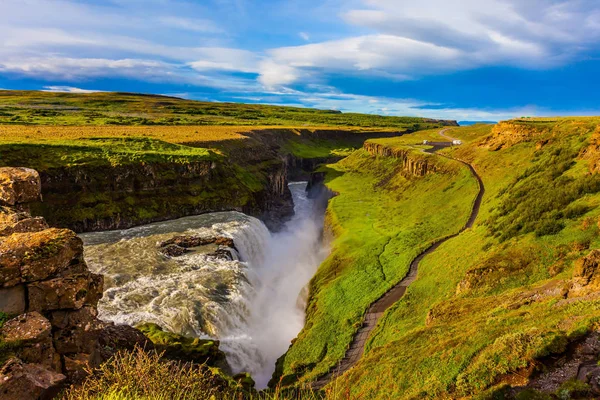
point(251, 303)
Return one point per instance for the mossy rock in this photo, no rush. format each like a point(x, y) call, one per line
point(244, 379)
point(183, 348)
point(532, 394)
point(573, 389)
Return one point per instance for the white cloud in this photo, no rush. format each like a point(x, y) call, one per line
point(412, 39)
point(77, 68)
point(68, 89)
point(304, 36)
point(226, 59)
point(273, 74)
point(189, 24)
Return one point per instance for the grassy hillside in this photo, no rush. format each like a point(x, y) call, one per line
point(488, 305)
point(40, 108)
point(381, 220)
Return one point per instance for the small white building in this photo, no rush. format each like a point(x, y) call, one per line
point(457, 142)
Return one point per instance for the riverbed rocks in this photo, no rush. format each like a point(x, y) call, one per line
point(46, 286)
point(180, 245)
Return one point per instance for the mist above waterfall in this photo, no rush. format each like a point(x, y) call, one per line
point(255, 305)
point(291, 260)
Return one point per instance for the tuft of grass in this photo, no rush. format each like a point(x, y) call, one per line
point(144, 375)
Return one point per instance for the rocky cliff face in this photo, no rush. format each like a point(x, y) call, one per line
point(592, 152)
point(413, 163)
point(47, 285)
point(507, 134)
point(94, 198)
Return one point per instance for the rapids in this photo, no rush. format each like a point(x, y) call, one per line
point(254, 304)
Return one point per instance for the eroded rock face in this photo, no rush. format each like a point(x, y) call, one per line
point(413, 164)
point(586, 270)
point(586, 275)
point(507, 134)
point(19, 185)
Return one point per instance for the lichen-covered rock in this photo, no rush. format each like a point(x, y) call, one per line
point(19, 185)
point(66, 293)
point(29, 257)
point(76, 331)
point(20, 381)
point(12, 300)
point(32, 333)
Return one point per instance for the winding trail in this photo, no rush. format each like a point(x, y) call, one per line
point(377, 309)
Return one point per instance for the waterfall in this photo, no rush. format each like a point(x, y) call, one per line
point(252, 304)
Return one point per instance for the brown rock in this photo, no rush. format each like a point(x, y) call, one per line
point(19, 381)
point(27, 328)
point(78, 365)
point(195, 241)
point(12, 300)
point(67, 293)
point(586, 271)
point(173, 250)
point(25, 225)
point(76, 331)
point(19, 185)
point(32, 332)
point(121, 337)
point(30, 257)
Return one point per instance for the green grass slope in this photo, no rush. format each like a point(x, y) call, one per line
point(41, 108)
point(379, 228)
point(488, 304)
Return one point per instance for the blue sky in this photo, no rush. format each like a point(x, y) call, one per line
point(463, 59)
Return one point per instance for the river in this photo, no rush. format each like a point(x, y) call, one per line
point(254, 304)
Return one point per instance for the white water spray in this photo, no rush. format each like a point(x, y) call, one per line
point(254, 306)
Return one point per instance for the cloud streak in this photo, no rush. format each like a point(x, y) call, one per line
point(211, 45)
